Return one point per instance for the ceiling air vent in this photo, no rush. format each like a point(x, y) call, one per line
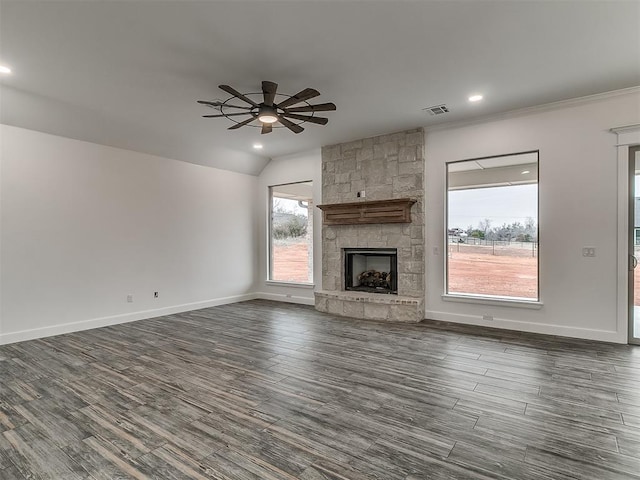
point(437, 110)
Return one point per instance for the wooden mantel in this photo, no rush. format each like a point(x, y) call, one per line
point(397, 210)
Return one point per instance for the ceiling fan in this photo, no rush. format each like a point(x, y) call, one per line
point(268, 112)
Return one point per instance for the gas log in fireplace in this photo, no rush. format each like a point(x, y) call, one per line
point(371, 270)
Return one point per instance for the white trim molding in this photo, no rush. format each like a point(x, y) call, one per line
point(285, 297)
point(535, 109)
point(277, 283)
point(498, 302)
point(520, 326)
point(628, 135)
point(49, 331)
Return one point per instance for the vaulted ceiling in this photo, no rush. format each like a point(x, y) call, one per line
point(128, 73)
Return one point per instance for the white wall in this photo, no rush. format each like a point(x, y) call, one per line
point(288, 169)
point(84, 225)
point(578, 207)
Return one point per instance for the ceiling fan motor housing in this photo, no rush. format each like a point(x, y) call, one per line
point(267, 114)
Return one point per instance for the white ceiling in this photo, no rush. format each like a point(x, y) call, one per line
point(493, 162)
point(518, 169)
point(128, 73)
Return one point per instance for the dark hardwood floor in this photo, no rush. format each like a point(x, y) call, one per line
point(263, 390)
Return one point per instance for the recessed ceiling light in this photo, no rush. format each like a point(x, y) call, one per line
point(524, 172)
point(4, 69)
point(257, 146)
point(475, 98)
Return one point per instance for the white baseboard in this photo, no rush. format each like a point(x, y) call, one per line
point(281, 297)
point(49, 331)
point(507, 324)
point(546, 329)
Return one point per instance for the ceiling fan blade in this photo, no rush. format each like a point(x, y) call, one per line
point(227, 115)
point(318, 120)
point(269, 92)
point(242, 124)
point(222, 104)
point(290, 125)
point(266, 128)
point(236, 93)
point(305, 94)
point(321, 107)
point(206, 102)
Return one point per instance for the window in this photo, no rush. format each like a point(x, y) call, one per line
point(492, 227)
point(291, 233)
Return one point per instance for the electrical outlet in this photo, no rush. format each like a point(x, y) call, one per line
point(488, 318)
point(361, 194)
point(588, 251)
point(130, 298)
point(155, 294)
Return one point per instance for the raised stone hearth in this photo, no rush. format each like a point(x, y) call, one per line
point(371, 306)
point(388, 167)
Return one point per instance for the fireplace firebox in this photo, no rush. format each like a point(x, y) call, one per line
point(372, 270)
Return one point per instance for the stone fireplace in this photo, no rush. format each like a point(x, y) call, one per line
point(373, 200)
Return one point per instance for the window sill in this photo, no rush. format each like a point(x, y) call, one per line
point(499, 302)
point(275, 283)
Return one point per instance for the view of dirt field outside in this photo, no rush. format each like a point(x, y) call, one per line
point(502, 269)
point(290, 261)
point(492, 226)
point(291, 232)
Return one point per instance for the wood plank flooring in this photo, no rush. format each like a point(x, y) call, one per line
point(264, 390)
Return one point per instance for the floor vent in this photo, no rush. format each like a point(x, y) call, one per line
point(437, 110)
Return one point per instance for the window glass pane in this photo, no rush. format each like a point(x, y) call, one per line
point(492, 227)
point(291, 233)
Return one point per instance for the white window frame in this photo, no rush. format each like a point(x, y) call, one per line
point(497, 300)
point(270, 280)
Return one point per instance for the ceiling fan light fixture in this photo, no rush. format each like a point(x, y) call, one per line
point(267, 118)
point(267, 114)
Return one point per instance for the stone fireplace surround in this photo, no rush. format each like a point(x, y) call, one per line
point(384, 167)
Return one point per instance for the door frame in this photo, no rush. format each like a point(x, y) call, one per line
point(628, 137)
point(631, 244)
